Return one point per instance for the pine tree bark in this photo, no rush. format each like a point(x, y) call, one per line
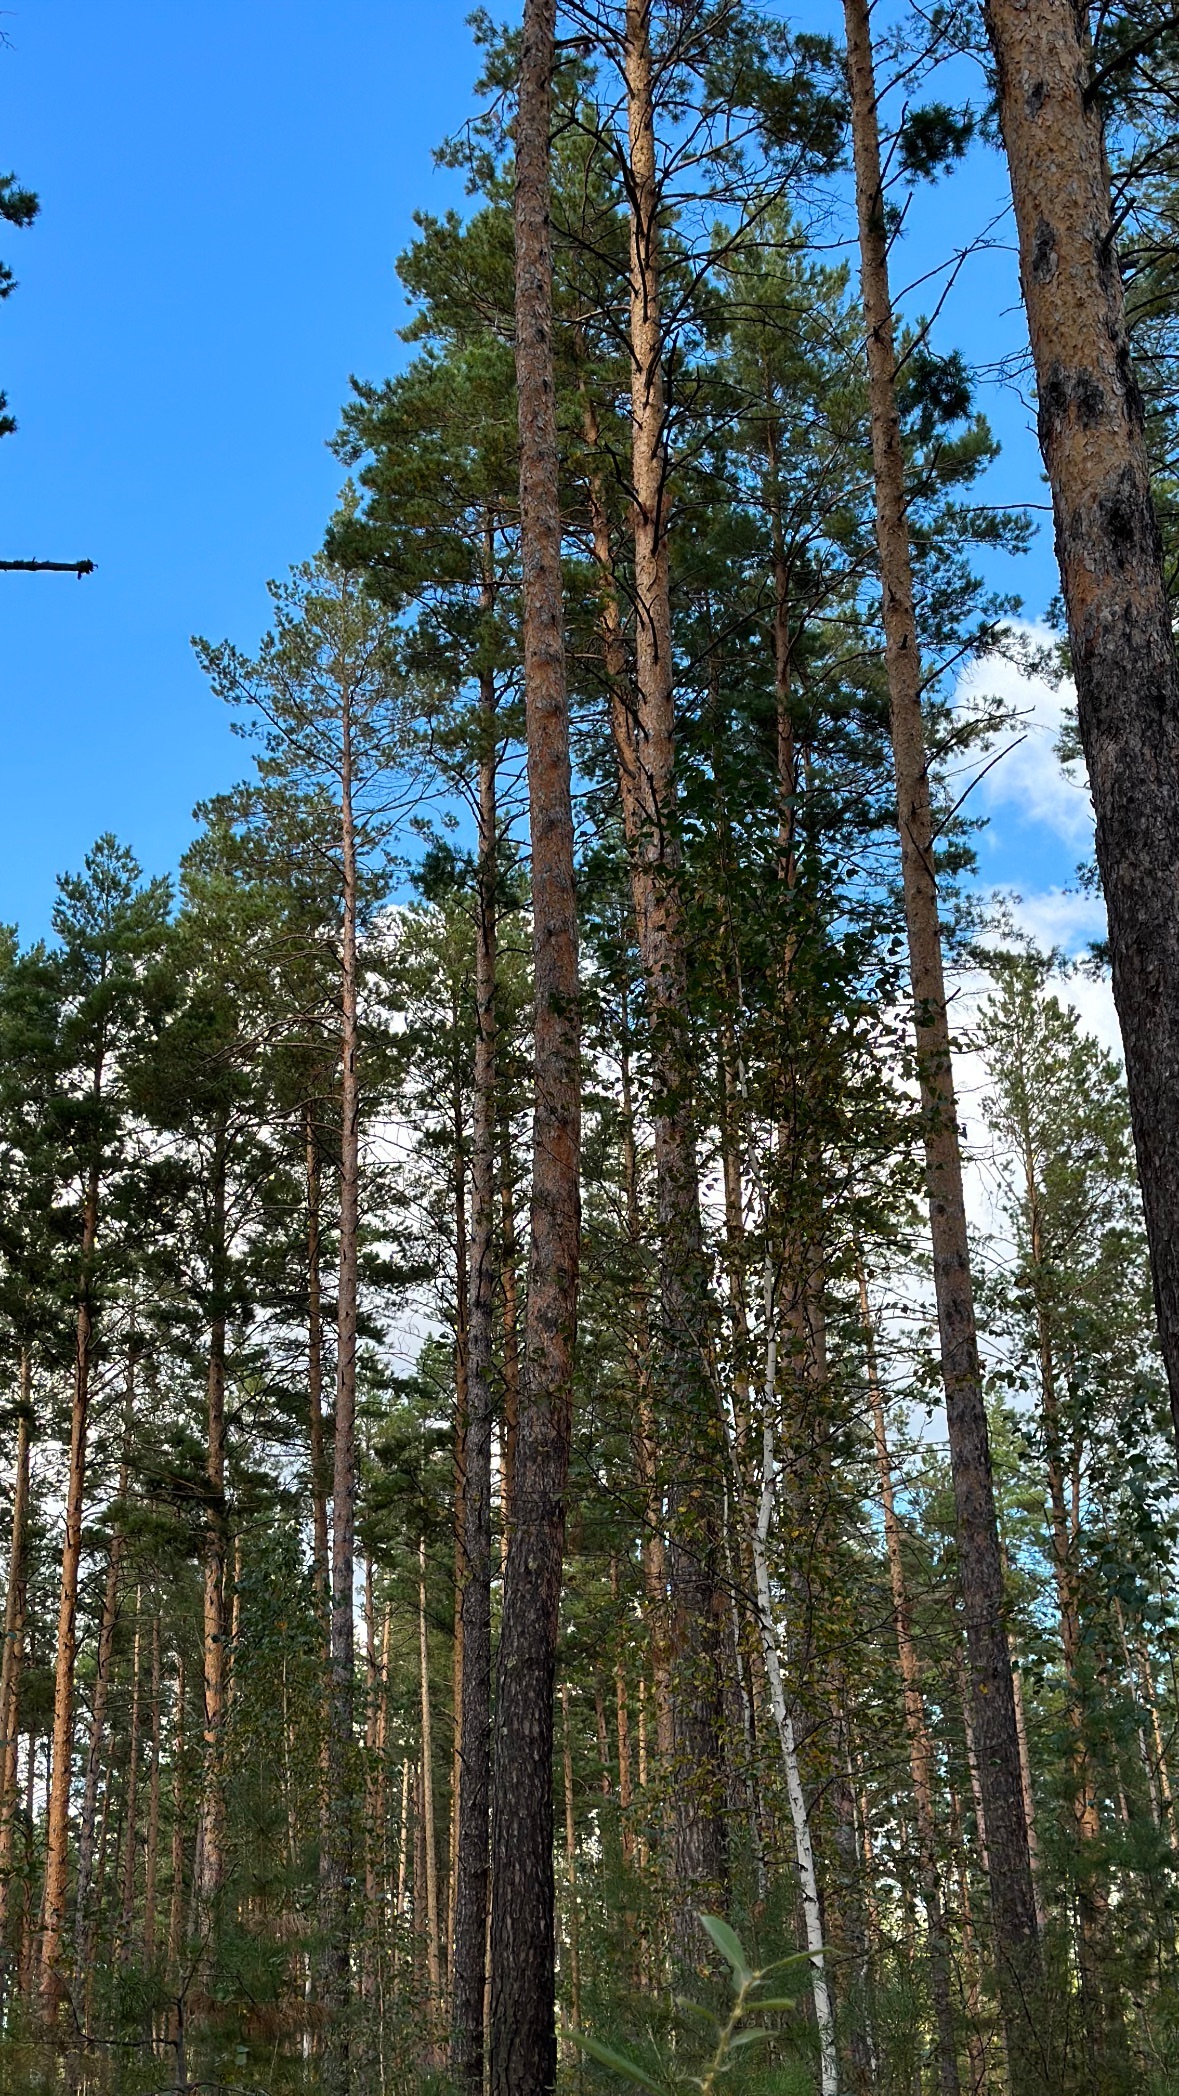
point(469, 1954)
point(522, 2026)
point(1121, 642)
point(647, 779)
point(991, 1694)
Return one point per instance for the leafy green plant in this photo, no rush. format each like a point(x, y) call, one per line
point(732, 2039)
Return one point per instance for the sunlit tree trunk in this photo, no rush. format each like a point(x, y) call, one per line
point(1121, 642)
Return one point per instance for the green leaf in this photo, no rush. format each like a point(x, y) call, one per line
point(695, 2010)
point(748, 2037)
point(797, 1957)
point(787, 2003)
point(729, 1946)
point(617, 2062)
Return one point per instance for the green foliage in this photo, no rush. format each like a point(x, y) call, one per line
point(717, 2048)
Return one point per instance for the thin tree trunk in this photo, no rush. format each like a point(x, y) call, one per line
point(102, 1674)
point(152, 1849)
point(212, 1830)
point(511, 1329)
point(57, 1820)
point(992, 1698)
point(804, 1856)
point(523, 2030)
point(469, 1939)
point(403, 1836)
point(340, 1830)
point(176, 1902)
point(625, 1790)
point(571, 1863)
point(1107, 542)
point(319, 1483)
point(10, 1669)
point(654, 1555)
point(920, 1750)
point(462, 1351)
point(131, 1850)
point(430, 1857)
point(647, 780)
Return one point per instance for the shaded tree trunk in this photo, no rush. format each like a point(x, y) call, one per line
point(991, 1695)
point(523, 2032)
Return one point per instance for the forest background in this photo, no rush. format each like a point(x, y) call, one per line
point(266, 1146)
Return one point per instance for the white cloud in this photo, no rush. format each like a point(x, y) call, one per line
point(1028, 777)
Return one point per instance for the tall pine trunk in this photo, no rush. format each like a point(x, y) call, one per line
point(340, 1829)
point(469, 1954)
point(1107, 542)
point(523, 2031)
point(647, 767)
point(991, 1695)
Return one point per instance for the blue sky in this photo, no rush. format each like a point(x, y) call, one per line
point(224, 190)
